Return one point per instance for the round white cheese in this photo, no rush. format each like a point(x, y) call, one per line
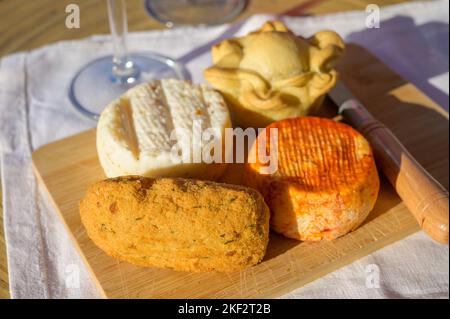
point(143, 131)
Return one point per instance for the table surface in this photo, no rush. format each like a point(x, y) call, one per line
point(25, 25)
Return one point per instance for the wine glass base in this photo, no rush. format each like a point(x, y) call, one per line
point(194, 12)
point(94, 86)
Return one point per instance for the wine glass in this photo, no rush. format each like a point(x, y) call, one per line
point(182, 12)
point(105, 79)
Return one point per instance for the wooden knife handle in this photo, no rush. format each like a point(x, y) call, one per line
point(422, 194)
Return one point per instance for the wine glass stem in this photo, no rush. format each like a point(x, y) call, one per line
point(124, 70)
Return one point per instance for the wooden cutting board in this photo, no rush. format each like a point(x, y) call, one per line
point(68, 166)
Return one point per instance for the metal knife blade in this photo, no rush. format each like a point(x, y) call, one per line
point(349, 106)
point(340, 94)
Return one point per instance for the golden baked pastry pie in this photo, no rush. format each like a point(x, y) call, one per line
point(272, 74)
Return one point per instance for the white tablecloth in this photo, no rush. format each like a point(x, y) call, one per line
point(35, 110)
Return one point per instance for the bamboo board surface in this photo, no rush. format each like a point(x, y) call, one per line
point(68, 166)
point(45, 24)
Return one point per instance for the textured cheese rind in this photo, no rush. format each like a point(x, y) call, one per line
point(133, 132)
point(326, 183)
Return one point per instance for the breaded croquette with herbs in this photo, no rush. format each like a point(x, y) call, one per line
point(181, 224)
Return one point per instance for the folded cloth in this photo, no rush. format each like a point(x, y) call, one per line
point(35, 110)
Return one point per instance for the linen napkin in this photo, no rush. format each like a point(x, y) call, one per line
point(35, 110)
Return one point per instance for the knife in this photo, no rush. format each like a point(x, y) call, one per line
point(423, 195)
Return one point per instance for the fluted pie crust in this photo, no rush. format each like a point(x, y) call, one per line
point(272, 74)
